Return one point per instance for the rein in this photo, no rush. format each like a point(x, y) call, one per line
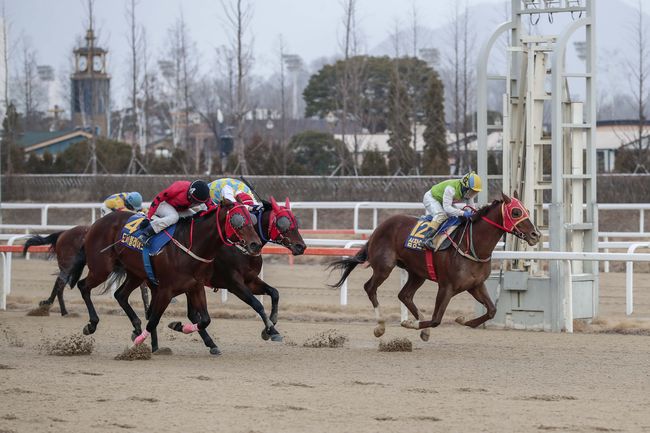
point(470, 252)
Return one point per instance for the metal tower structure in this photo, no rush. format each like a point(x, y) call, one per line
point(548, 152)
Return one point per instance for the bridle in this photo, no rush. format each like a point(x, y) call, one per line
point(509, 226)
point(276, 233)
point(242, 219)
point(509, 223)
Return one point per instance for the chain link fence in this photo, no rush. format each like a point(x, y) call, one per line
point(87, 188)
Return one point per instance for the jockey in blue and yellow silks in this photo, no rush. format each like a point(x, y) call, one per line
point(122, 201)
point(230, 188)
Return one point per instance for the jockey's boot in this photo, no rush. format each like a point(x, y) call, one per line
point(431, 234)
point(146, 235)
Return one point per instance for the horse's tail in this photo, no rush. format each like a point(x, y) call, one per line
point(77, 267)
point(40, 240)
point(348, 265)
point(115, 278)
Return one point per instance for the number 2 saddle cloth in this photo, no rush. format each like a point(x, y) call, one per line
point(422, 230)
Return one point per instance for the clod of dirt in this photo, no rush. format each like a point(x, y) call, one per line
point(6, 367)
point(330, 338)
point(71, 345)
point(400, 344)
point(135, 353)
point(41, 310)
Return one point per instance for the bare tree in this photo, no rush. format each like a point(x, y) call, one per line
point(135, 52)
point(28, 87)
point(237, 17)
point(459, 75)
point(350, 79)
point(639, 69)
point(5, 57)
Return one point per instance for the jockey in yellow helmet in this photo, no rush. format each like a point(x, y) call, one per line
point(448, 198)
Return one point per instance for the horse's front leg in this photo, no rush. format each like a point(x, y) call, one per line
point(244, 293)
point(260, 287)
point(481, 294)
point(196, 311)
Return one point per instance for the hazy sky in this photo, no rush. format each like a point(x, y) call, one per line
point(310, 28)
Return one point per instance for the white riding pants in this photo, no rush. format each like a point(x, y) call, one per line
point(165, 216)
point(434, 207)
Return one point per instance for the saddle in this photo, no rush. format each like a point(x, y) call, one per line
point(129, 238)
point(423, 230)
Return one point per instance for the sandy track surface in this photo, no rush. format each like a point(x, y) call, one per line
point(461, 380)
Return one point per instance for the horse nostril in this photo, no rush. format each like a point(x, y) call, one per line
point(255, 247)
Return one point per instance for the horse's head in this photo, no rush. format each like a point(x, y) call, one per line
point(283, 228)
point(238, 227)
point(516, 219)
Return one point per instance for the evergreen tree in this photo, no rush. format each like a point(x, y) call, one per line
point(435, 158)
point(401, 155)
point(13, 158)
point(374, 163)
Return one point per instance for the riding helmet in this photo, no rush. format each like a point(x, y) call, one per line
point(199, 192)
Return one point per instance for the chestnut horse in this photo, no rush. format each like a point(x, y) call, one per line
point(65, 245)
point(182, 267)
point(464, 266)
point(239, 273)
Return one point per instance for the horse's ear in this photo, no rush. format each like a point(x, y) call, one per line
point(274, 204)
point(505, 198)
point(515, 195)
point(287, 204)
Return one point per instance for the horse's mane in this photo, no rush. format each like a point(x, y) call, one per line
point(483, 210)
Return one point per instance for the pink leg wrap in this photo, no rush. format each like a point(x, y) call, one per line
point(188, 328)
point(140, 338)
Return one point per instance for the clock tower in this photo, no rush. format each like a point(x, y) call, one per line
point(90, 87)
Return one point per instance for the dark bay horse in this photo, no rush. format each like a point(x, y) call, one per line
point(463, 267)
point(183, 267)
point(64, 246)
point(239, 273)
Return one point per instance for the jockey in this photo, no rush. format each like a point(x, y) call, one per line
point(232, 189)
point(180, 196)
point(448, 198)
point(122, 201)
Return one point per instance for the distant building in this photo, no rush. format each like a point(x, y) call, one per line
point(55, 142)
point(90, 88)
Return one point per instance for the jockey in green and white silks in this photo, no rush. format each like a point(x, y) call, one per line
point(448, 198)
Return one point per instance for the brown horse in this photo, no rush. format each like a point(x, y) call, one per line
point(465, 266)
point(184, 267)
point(65, 245)
point(239, 273)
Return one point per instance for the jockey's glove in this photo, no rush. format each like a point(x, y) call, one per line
point(468, 213)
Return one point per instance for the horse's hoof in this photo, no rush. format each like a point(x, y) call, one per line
point(89, 329)
point(424, 335)
point(163, 351)
point(215, 351)
point(277, 338)
point(379, 331)
point(176, 326)
point(44, 302)
point(409, 324)
point(134, 334)
point(265, 335)
point(460, 320)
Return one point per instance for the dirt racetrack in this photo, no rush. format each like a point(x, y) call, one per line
point(461, 380)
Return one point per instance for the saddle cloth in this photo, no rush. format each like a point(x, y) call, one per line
point(422, 229)
point(132, 228)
